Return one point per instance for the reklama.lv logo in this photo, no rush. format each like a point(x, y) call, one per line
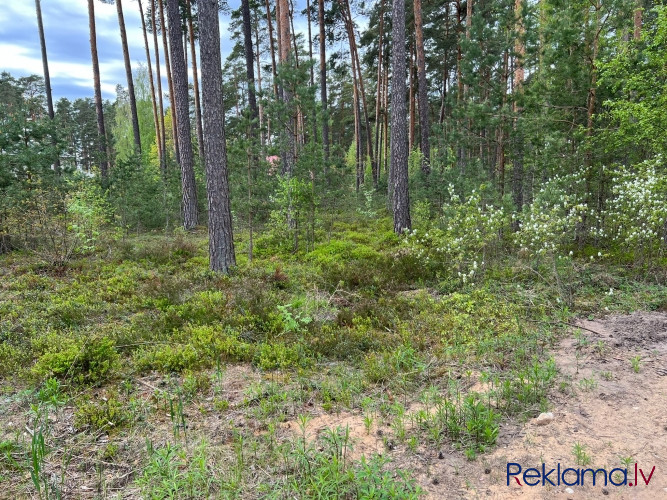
point(540, 476)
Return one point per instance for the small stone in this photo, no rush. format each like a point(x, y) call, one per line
point(544, 418)
point(605, 491)
point(569, 491)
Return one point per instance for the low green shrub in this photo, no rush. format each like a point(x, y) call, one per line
point(89, 361)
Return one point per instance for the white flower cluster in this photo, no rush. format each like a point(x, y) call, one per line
point(551, 220)
point(464, 234)
point(636, 215)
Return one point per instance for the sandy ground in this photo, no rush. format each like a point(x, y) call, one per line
point(600, 402)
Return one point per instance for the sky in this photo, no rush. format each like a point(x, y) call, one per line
point(68, 45)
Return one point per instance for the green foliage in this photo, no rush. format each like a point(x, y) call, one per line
point(108, 413)
point(171, 473)
point(281, 356)
point(467, 234)
point(90, 360)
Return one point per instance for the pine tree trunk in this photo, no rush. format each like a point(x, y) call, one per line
point(273, 51)
point(162, 143)
point(323, 82)
point(47, 75)
point(170, 80)
point(99, 109)
point(182, 101)
point(195, 81)
point(424, 125)
point(399, 132)
point(130, 80)
point(221, 241)
point(284, 42)
point(517, 140)
point(45, 61)
point(258, 67)
point(378, 99)
point(249, 63)
point(151, 82)
point(312, 69)
point(411, 100)
point(638, 20)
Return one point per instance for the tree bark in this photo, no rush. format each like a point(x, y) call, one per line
point(221, 241)
point(273, 51)
point(399, 132)
point(99, 109)
point(163, 133)
point(170, 81)
point(182, 101)
point(45, 60)
point(517, 162)
point(378, 99)
point(285, 51)
point(323, 82)
point(424, 125)
point(195, 80)
point(130, 80)
point(249, 63)
point(151, 82)
point(47, 75)
point(638, 20)
point(411, 101)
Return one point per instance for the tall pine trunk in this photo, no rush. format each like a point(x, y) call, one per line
point(170, 81)
point(47, 75)
point(424, 121)
point(163, 132)
point(221, 241)
point(284, 42)
point(323, 81)
point(151, 83)
point(130, 80)
point(378, 99)
point(399, 132)
point(274, 67)
point(195, 82)
point(249, 63)
point(182, 101)
point(99, 109)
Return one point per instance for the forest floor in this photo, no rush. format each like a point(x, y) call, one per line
point(344, 372)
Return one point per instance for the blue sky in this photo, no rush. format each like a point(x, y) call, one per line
point(67, 41)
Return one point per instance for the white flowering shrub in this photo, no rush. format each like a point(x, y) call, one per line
point(468, 231)
point(549, 224)
point(636, 215)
